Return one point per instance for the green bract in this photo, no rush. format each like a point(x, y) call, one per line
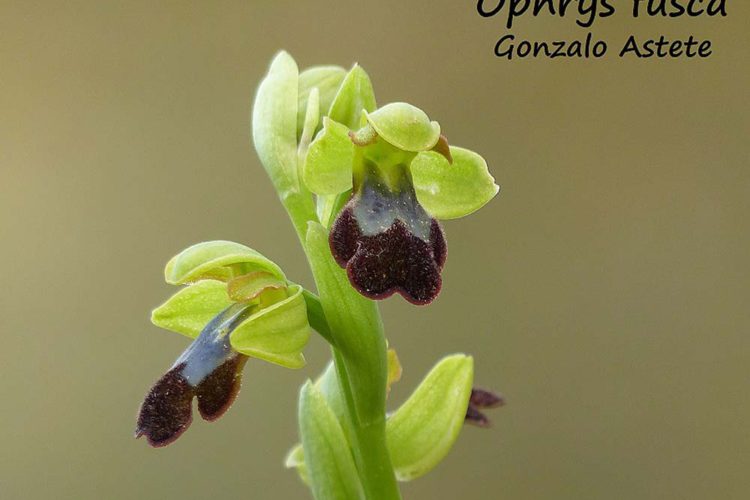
point(220, 260)
point(422, 431)
point(275, 123)
point(330, 465)
point(449, 191)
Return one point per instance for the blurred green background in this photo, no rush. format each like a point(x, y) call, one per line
point(604, 292)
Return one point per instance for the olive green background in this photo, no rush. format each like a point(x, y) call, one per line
point(604, 291)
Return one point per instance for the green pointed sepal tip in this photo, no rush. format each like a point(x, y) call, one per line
point(422, 431)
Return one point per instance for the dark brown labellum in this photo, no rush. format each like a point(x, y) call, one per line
point(387, 242)
point(209, 370)
point(481, 399)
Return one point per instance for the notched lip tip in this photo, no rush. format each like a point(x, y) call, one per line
point(220, 413)
point(480, 424)
point(395, 290)
point(164, 442)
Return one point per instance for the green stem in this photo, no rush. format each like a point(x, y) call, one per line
point(355, 331)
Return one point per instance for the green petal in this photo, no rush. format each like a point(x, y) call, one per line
point(190, 309)
point(277, 333)
point(275, 122)
point(312, 117)
point(327, 79)
point(249, 286)
point(422, 431)
point(355, 95)
point(331, 468)
point(220, 260)
point(405, 126)
point(449, 191)
point(328, 167)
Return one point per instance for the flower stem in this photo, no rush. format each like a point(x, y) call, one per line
point(359, 353)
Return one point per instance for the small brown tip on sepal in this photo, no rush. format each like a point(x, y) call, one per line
point(364, 136)
point(482, 399)
point(442, 148)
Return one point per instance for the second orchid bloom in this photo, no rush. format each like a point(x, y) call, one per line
point(395, 175)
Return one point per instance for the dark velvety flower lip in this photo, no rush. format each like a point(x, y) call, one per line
point(387, 243)
point(476, 417)
point(209, 370)
point(481, 399)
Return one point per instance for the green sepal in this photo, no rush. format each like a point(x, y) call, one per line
point(327, 79)
point(219, 260)
point(422, 431)
point(191, 308)
point(275, 123)
point(276, 333)
point(330, 465)
point(450, 191)
point(354, 96)
point(405, 126)
point(328, 166)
